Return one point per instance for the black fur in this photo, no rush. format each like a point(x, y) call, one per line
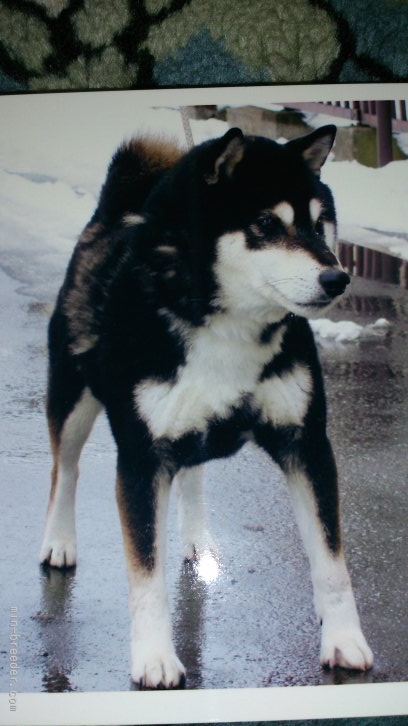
point(183, 313)
point(120, 279)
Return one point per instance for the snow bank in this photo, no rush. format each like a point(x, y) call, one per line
point(345, 331)
point(209, 129)
point(402, 141)
point(370, 197)
point(315, 120)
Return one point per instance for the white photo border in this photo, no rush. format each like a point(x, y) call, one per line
point(216, 705)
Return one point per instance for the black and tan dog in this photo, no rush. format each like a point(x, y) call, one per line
point(183, 314)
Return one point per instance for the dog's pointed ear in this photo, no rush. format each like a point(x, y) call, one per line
point(315, 147)
point(229, 150)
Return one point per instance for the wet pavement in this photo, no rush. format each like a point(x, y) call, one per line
point(245, 619)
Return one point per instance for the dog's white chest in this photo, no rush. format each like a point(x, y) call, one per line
point(223, 363)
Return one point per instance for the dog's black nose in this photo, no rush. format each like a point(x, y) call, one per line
point(334, 282)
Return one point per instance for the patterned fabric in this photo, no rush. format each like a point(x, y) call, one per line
point(90, 44)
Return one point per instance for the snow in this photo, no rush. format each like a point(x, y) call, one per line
point(374, 198)
point(53, 161)
point(345, 331)
point(315, 120)
point(402, 141)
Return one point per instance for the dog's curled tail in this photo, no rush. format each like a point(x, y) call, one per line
point(133, 171)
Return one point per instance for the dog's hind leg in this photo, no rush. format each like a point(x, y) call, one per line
point(67, 439)
point(194, 535)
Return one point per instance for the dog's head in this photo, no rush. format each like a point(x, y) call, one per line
point(273, 220)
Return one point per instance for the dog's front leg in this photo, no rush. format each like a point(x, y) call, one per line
point(307, 460)
point(313, 485)
point(143, 503)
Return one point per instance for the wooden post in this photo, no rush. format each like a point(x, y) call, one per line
point(384, 133)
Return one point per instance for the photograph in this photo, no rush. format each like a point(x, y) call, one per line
point(204, 388)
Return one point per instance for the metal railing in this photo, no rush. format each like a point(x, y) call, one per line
point(372, 264)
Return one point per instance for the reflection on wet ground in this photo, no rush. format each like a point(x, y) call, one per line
point(54, 621)
point(243, 618)
point(189, 622)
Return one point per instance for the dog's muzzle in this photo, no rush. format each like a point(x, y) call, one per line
point(334, 282)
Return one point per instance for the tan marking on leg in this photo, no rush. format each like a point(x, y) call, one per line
point(59, 541)
point(131, 554)
point(154, 660)
point(54, 445)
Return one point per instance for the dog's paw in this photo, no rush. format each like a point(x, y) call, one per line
point(198, 546)
point(346, 648)
point(157, 670)
point(58, 552)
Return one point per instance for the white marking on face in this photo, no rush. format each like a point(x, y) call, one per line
point(223, 364)
point(266, 281)
point(131, 219)
point(315, 208)
point(241, 279)
point(284, 399)
point(285, 212)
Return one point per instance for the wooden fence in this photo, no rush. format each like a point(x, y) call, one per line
point(372, 264)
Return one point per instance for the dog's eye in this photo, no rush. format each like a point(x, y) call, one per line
point(268, 223)
point(265, 220)
point(266, 228)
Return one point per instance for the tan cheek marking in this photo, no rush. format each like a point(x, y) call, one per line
point(285, 212)
point(315, 208)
